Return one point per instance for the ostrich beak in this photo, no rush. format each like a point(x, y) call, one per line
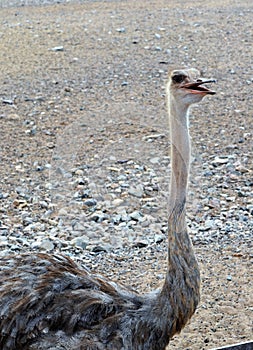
point(197, 88)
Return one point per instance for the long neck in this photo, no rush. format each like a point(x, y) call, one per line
point(180, 153)
point(181, 288)
point(180, 164)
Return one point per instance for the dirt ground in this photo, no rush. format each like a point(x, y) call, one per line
point(90, 62)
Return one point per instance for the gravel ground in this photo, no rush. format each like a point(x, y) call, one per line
point(84, 145)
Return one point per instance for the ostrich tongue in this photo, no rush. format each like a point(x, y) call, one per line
point(196, 87)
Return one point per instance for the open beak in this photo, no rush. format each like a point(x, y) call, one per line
point(197, 88)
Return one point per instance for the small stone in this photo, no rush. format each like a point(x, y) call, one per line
point(46, 244)
point(137, 216)
point(57, 48)
point(242, 169)
point(3, 241)
point(209, 224)
point(90, 202)
point(36, 226)
point(80, 181)
point(98, 217)
point(27, 220)
point(125, 217)
point(43, 204)
point(155, 160)
point(214, 203)
point(99, 249)
point(153, 136)
point(50, 145)
point(80, 242)
point(137, 191)
point(220, 161)
point(121, 30)
point(78, 226)
point(79, 172)
point(249, 208)
point(230, 199)
point(63, 212)
point(159, 238)
point(122, 177)
point(117, 202)
point(67, 89)
point(141, 244)
point(20, 203)
point(13, 117)
point(48, 186)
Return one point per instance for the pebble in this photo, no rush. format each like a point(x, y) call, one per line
point(18, 203)
point(90, 202)
point(141, 244)
point(242, 169)
point(100, 248)
point(45, 244)
point(3, 240)
point(137, 191)
point(57, 48)
point(81, 242)
point(4, 195)
point(121, 30)
point(153, 137)
point(136, 215)
point(98, 217)
point(220, 161)
point(158, 238)
point(250, 208)
point(117, 202)
point(79, 172)
point(155, 160)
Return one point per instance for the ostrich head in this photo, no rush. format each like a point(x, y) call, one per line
point(186, 86)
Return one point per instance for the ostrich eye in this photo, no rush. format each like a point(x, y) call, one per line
point(178, 78)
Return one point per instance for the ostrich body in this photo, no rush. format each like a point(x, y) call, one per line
point(48, 302)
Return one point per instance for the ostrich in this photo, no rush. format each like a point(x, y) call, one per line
point(48, 302)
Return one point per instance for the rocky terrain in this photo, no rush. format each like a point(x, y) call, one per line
point(84, 148)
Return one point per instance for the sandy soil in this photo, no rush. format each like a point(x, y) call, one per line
point(68, 62)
